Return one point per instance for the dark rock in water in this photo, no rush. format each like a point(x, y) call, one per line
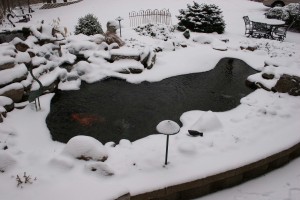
point(195, 133)
point(267, 76)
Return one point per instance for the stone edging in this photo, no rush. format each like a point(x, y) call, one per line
point(220, 181)
point(56, 5)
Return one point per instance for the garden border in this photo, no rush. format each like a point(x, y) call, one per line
point(201, 187)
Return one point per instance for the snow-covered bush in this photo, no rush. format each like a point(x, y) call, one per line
point(287, 13)
point(205, 18)
point(158, 31)
point(278, 13)
point(88, 25)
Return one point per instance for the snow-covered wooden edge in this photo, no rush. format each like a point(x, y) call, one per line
point(201, 187)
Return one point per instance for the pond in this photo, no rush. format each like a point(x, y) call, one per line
point(114, 109)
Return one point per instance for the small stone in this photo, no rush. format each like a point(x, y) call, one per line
point(187, 34)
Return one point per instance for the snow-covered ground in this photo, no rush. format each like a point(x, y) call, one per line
point(264, 123)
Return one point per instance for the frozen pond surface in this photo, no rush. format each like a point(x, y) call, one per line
point(113, 109)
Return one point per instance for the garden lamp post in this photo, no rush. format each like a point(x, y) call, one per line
point(167, 127)
point(119, 19)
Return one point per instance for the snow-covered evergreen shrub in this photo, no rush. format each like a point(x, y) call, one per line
point(278, 13)
point(88, 25)
point(205, 18)
point(287, 13)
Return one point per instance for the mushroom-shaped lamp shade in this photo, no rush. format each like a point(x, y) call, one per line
point(168, 127)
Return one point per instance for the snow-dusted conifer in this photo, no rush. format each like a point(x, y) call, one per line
point(205, 18)
point(88, 25)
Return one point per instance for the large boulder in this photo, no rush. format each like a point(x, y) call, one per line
point(124, 53)
point(288, 84)
point(16, 74)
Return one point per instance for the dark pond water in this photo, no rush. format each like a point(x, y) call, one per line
point(114, 109)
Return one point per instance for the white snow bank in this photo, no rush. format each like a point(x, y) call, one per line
point(85, 147)
point(6, 161)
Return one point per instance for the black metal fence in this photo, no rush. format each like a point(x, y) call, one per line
point(150, 16)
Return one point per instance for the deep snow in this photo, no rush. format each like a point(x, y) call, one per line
point(264, 123)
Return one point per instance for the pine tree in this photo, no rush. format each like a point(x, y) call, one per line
point(205, 18)
point(88, 25)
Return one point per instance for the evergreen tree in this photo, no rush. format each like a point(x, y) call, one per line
point(205, 18)
point(88, 25)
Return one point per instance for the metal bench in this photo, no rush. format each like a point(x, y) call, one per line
point(20, 17)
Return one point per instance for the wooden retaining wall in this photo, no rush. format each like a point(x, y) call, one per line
point(201, 187)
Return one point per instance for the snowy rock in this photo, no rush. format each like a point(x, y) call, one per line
point(187, 34)
point(6, 161)
point(16, 74)
point(98, 38)
point(168, 127)
point(288, 84)
point(203, 39)
point(86, 148)
point(148, 58)
point(21, 46)
point(125, 143)
point(110, 144)
point(207, 122)
point(103, 46)
point(7, 103)
point(124, 53)
point(219, 45)
point(100, 168)
point(23, 57)
point(6, 63)
point(14, 91)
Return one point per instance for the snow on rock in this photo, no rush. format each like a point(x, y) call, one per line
point(6, 161)
point(204, 39)
point(85, 148)
point(7, 103)
point(49, 78)
point(219, 45)
point(207, 122)
point(126, 65)
point(23, 57)
point(124, 143)
point(168, 127)
point(99, 168)
point(12, 74)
